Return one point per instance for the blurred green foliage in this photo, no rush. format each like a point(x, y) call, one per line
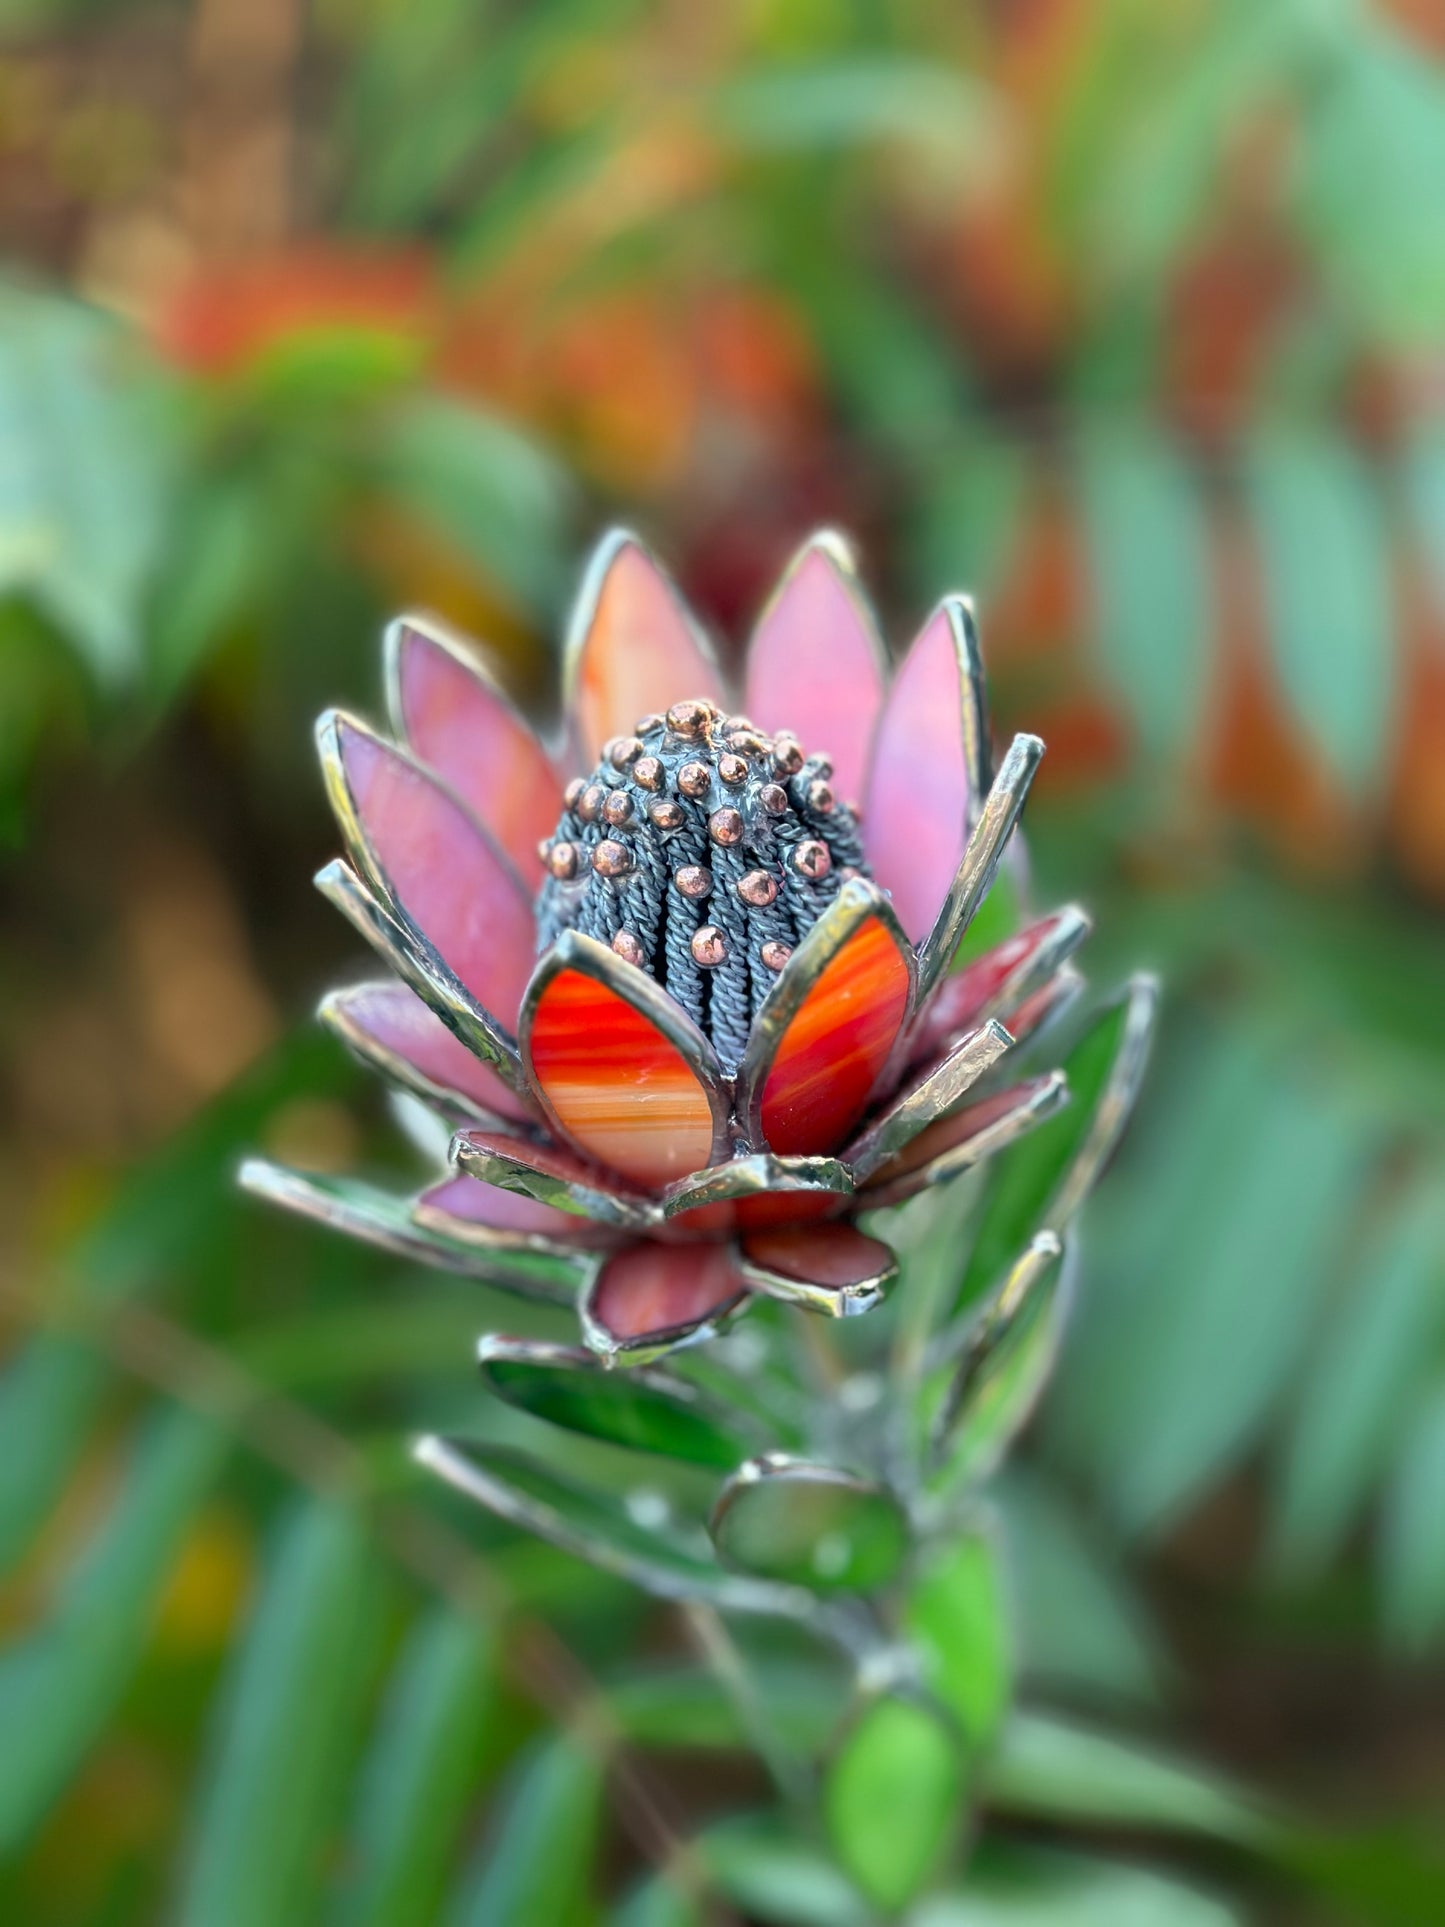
point(1129, 316)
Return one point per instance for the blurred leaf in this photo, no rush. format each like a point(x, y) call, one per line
point(645, 1411)
point(893, 1799)
point(484, 486)
point(1322, 545)
point(419, 1777)
point(216, 567)
point(1066, 1890)
point(1412, 1545)
point(842, 103)
point(958, 1621)
point(1424, 482)
point(778, 1879)
point(1047, 1768)
point(687, 1706)
point(47, 1394)
point(285, 1728)
point(1154, 615)
point(536, 1869)
point(965, 532)
point(1040, 1181)
point(85, 453)
point(1358, 1393)
point(59, 1685)
point(810, 1525)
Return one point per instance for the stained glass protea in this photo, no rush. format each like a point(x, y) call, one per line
point(688, 983)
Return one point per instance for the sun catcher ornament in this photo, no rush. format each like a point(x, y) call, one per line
point(685, 985)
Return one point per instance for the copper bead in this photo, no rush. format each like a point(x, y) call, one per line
point(645, 725)
point(689, 719)
point(611, 859)
point(590, 803)
point(812, 859)
point(821, 799)
point(726, 826)
point(707, 946)
point(775, 954)
point(618, 807)
point(732, 769)
point(629, 948)
point(664, 814)
point(694, 779)
point(787, 754)
point(562, 861)
point(757, 888)
point(647, 772)
point(572, 795)
point(774, 799)
point(693, 880)
point(623, 750)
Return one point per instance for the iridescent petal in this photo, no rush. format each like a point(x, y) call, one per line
point(827, 1027)
point(632, 648)
point(425, 850)
point(979, 864)
point(651, 1297)
point(815, 664)
point(832, 1268)
point(462, 726)
point(929, 767)
point(955, 1144)
point(391, 1029)
point(551, 1175)
point(998, 982)
point(625, 1073)
point(936, 1091)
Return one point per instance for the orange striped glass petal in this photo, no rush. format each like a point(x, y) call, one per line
point(619, 1086)
point(830, 1054)
point(663, 1292)
point(633, 649)
point(466, 730)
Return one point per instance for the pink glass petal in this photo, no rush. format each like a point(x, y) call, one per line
point(918, 801)
point(654, 1289)
point(488, 1205)
point(620, 1088)
point(445, 871)
point(634, 648)
point(467, 731)
point(815, 665)
point(400, 1025)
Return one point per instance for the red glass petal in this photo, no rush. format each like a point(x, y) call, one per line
point(654, 1290)
point(835, 1255)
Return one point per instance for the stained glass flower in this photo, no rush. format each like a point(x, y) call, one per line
point(688, 984)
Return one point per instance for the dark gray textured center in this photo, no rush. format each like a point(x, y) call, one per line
point(701, 850)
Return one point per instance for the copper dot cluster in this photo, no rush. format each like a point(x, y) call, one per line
point(701, 850)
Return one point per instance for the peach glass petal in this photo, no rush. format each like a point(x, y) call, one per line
point(467, 731)
point(917, 803)
point(815, 665)
point(619, 1088)
point(487, 1204)
point(445, 871)
point(829, 1057)
point(835, 1255)
point(634, 650)
point(400, 1024)
point(661, 1288)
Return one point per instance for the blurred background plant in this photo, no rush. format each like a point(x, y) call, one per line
point(1128, 316)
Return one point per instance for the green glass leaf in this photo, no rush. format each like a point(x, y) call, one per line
point(1042, 1180)
point(419, 1776)
point(894, 1799)
point(1008, 1358)
point(535, 1869)
point(957, 1619)
point(809, 1525)
point(59, 1685)
point(1046, 1768)
point(645, 1410)
point(286, 1729)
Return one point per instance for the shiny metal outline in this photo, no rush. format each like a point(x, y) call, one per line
point(1047, 1096)
point(509, 1162)
point(784, 1468)
point(932, 1095)
point(397, 1070)
point(1116, 1101)
point(759, 1174)
point(985, 846)
point(831, 1301)
point(612, 1350)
